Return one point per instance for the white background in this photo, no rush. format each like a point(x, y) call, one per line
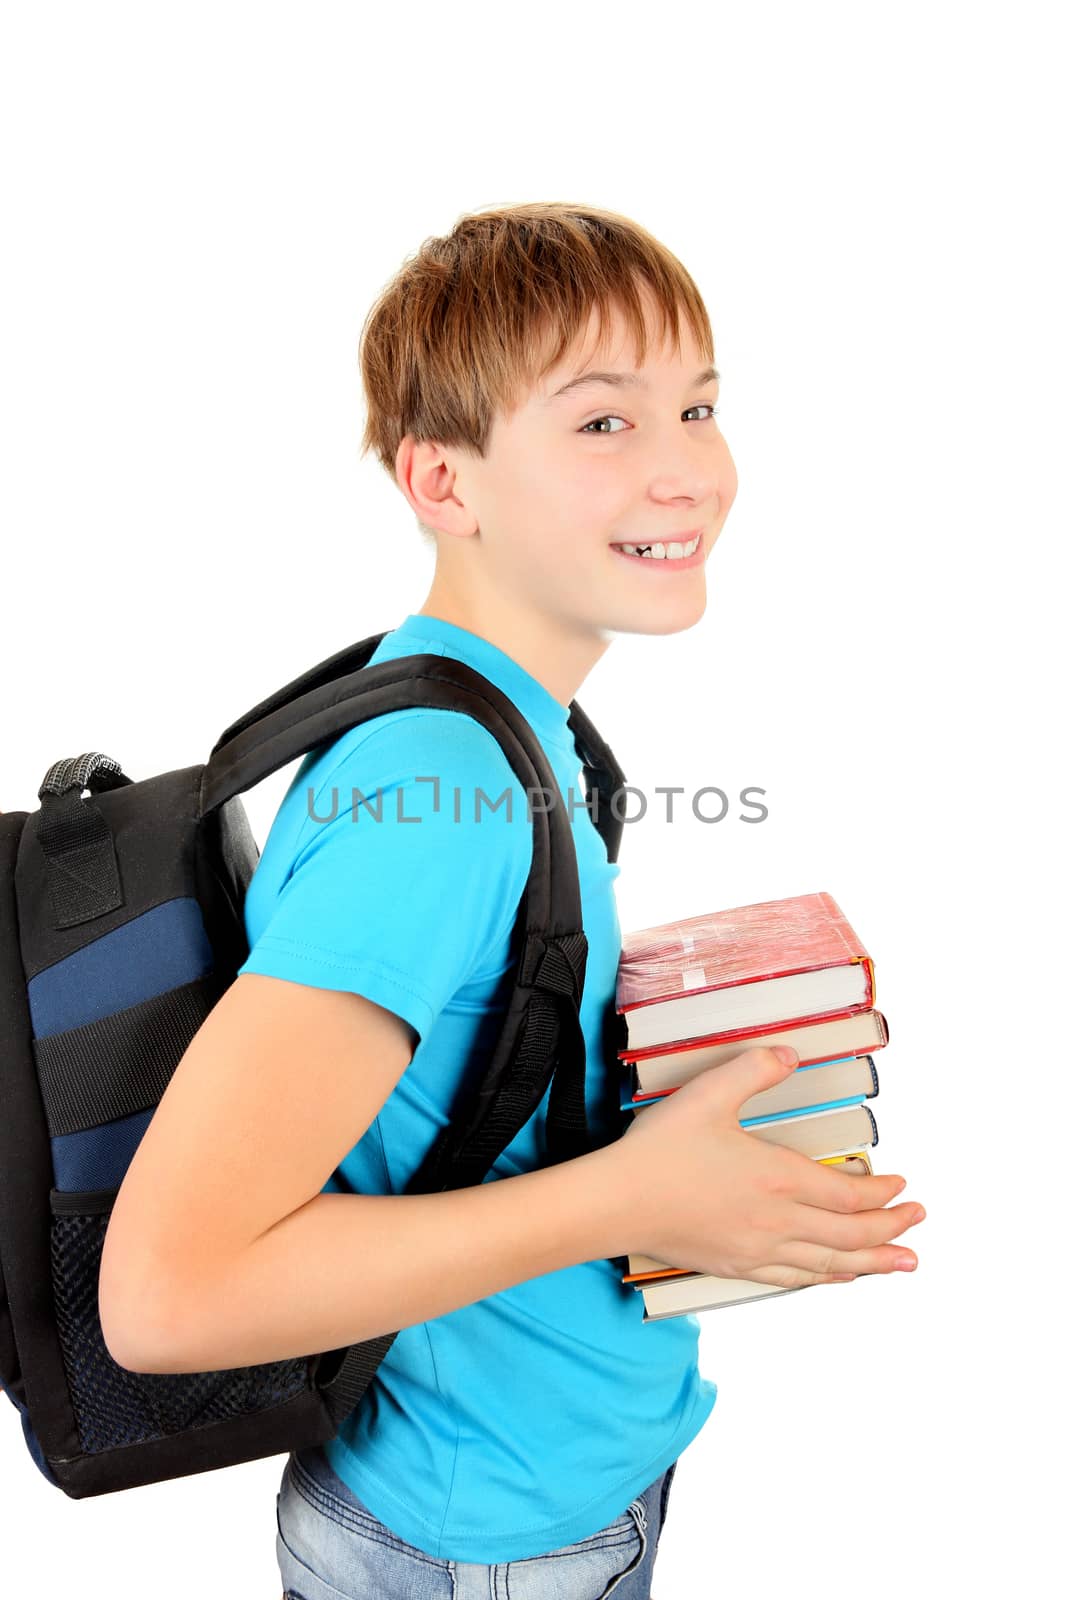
point(200, 203)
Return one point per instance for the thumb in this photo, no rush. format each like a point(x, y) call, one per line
point(746, 1074)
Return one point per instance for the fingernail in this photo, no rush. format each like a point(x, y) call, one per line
point(905, 1263)
point(920, 1212)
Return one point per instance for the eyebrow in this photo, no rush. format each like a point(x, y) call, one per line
point(625, 380)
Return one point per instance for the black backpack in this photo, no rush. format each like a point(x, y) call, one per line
point(121, 925)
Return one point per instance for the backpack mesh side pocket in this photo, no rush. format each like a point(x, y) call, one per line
point(112, 1405)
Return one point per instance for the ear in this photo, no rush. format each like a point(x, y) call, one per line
point(426, 476)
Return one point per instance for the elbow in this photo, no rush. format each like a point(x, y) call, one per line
point(140, 1329)
point(128, 1356)
point(132, 1342)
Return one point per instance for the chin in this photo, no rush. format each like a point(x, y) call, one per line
point(660, 619)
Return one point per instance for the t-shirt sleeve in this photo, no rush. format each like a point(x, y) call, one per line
point(410, 865)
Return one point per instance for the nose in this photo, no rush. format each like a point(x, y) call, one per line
point(693, 476)
point(696, 502)
point(701, 480)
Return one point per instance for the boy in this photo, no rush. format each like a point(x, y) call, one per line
point(524, 1415)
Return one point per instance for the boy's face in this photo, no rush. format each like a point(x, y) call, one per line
point(558, 490)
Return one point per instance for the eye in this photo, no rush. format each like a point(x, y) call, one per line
point(703, 406)
point(593, 425)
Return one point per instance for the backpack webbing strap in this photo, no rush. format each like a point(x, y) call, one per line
point(542, 1027)
point(608, 794)
point(79, 851)
point(346, 1388)
point(560, 975)
point(121, 1063)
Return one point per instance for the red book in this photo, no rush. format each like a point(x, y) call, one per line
point(837, 1042)
point(777, 962)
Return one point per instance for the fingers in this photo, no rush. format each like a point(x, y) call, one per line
point(880, 1260)
point(796, 1278)
point(801, 1265)
point(858, 1230)
point(809, 1181)
point(814, 1259)
point(829, 1247)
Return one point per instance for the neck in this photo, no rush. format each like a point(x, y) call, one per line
point(548, 648)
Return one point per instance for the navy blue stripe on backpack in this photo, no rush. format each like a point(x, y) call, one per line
point(121, 926)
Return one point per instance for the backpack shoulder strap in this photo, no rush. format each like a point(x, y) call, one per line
point(541, 1040)
point(606, 779)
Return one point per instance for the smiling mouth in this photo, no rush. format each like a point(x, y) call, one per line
point(670, 553)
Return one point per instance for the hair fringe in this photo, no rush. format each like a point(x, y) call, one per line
point(475, 318)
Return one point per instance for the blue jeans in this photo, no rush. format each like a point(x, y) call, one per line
point(331, 1547)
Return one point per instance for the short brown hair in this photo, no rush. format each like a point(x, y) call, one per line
point(462, 330)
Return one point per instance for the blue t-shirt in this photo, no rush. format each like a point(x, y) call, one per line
point(532, 1418)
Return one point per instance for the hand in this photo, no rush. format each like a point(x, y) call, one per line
point(705, 1194)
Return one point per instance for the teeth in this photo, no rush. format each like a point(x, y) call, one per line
point(662, 552)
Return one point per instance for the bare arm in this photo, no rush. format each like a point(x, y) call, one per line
point(222, 1252)
point(347, 1267)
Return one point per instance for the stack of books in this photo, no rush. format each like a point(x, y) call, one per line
point(692, 994)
